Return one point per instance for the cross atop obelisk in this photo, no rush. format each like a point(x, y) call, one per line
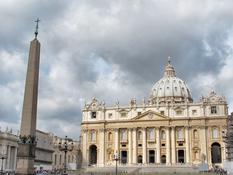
point(37, 27)
point(27, 142)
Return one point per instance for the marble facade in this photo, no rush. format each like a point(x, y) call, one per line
point(168, 128)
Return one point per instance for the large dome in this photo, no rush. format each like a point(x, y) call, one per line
point(170, 88)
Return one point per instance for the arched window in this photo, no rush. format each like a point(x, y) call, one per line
point(151, 134)
point(195, 134)
point(139, 135)
point(215, 133)
point(180, 133)
point(163, 135)
point(109, 136)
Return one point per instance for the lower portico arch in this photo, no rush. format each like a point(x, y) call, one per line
point(163, 159)
point(92, 155)
point(216, 156)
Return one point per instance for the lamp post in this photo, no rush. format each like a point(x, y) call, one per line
point(116, 158)
point(2, 158)
point(68, 145)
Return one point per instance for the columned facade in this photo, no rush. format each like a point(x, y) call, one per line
point(169, 128)
point(8, 150)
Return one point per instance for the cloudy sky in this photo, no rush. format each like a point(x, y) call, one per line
point(111, 50)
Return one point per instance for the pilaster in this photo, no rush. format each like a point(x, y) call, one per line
point(101, 159)
point(187, 144)
point(158, 145)
point(85, 148)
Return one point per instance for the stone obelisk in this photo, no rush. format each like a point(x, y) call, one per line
point(27, 140)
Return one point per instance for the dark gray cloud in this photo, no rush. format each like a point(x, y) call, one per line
point(112, 50)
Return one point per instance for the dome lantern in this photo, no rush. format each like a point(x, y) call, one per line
point(169, 69)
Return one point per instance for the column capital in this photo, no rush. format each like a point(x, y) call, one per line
point(102, 130)
point(109, 129)
point(84, 130)
point(144, 128)
point(202, 127)
point(130, 129)
point(167, 127)
point(116, 129)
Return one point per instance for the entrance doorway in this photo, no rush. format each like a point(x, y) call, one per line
point(140, 159)
point(92, 155)
point(163, 159)
point(181, 156)
point(151, 156)
point(123, 157)
point(216, 153)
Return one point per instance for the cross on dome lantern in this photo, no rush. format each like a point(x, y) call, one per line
point(169, 59)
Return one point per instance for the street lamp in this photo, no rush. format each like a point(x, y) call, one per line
point(2, 158)
point(116, 158)
point(68, 145)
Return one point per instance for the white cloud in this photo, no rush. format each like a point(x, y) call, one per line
point(114, 50)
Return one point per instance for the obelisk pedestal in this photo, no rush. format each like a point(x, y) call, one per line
point(27, 140)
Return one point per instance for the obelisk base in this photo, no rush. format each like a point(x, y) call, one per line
point(25, 166)
point(25, 159)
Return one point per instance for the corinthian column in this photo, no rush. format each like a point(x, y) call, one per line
point(144, 146)
point(173, 145)
point(187, 144)
point(130, 145)
point(168, 146)
point(158, 145)
point(101, 147)
point(85, 147)
point(134, 146)
point(116, 137)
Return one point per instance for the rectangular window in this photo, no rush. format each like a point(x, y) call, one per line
point(124, 135)
point(180, 134)
point(215, 133)
point(194, 112)
point(123, 114)
point(110, 115)
point(139, 113)
point(213, 110)
point(151, 134)
point(179, 112)
point(162, 112)
point(93, 136)
point(93, 115)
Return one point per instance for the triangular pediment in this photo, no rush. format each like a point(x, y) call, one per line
point(150, 115)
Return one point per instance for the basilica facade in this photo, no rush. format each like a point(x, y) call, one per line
point(168, 128)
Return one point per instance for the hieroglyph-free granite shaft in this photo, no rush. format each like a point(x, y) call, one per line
point(27, 143)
